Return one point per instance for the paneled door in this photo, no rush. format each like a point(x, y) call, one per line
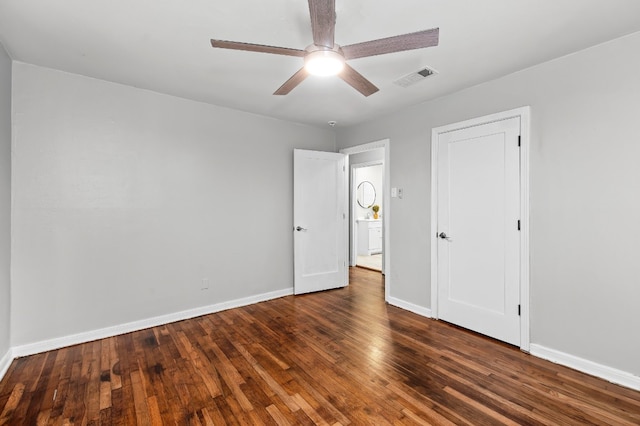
point(478, 228)
point(320, 225)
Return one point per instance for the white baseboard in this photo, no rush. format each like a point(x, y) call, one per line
point(5, 362)
point(420, 310)
point(74, 339)
point(610, 374)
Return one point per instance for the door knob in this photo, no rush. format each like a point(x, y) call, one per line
point(444, 236)
point(300, 228)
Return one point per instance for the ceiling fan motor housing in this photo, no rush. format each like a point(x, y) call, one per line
point(323, 61)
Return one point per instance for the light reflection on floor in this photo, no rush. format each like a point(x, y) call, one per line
point(371, 262)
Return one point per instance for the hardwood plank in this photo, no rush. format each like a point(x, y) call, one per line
point(309, 410)
point(143, 414)
point(337, 357)
point(61, 384)
point(269, 380)
point(213, 417)
point(12, 403)
point(126, 412)
point(493, 414)
point(114, 365)
point(427, 408)
point(277, 415)
point(73, 403)
point(155, 417)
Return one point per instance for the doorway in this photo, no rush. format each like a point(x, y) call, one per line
point(367, 206)
point(479, 238)
point(367, 157)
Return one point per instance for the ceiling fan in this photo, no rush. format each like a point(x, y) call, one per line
point(325, 57)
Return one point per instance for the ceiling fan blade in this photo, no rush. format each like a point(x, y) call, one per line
point(399, 43)
point(357, 81)
point(236, 45)
point(323, 22)
point(290, 84)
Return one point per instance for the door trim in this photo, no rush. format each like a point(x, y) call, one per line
point(524, 113)
point(386, 216)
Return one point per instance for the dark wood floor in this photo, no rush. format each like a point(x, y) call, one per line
point(336, 357)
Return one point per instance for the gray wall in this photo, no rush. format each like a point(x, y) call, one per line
point(5, 199)
point(126, 199)
point(585, 195)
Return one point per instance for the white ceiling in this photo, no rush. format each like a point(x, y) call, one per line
point(163, 45)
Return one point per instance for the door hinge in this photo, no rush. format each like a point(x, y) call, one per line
point(519, 140)
point(519, 310)
point(344, 170)
point(518, 225)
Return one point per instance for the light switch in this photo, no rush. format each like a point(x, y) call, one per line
point(394, 192)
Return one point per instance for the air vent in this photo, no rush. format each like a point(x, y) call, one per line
point(415, 77)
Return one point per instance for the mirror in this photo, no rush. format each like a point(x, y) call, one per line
point(366, 194)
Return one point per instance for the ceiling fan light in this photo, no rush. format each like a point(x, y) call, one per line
point(324, 62)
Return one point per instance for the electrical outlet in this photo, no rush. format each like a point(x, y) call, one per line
point(205, 284)
point(400, 192)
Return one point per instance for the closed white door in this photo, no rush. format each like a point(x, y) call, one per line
point(320, 224)
point(478, 249)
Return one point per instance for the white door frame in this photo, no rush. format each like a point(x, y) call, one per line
point(353, 255)
point(524, 114)
point(386, 195)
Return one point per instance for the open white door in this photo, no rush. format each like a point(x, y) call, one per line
point(320, 224)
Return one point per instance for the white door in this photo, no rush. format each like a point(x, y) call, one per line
point(478, 247)
point(320, 224)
